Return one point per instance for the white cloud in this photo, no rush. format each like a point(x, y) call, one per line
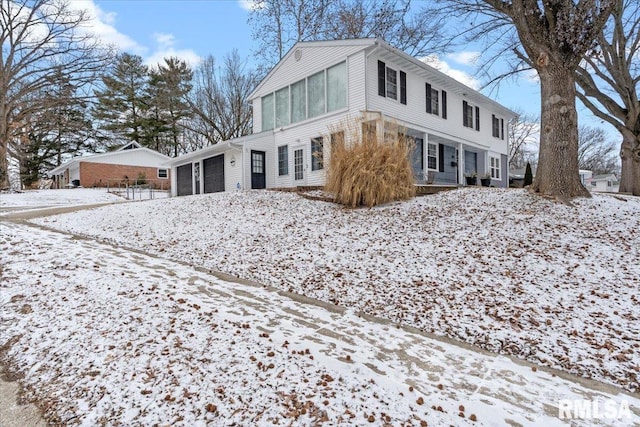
point(165, 49)
point(248, 5)
point(102, 25)
point(436, 62)
point(465, 58)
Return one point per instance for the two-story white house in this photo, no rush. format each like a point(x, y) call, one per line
point(319, 85)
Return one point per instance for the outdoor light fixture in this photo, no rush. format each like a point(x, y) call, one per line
point(232, 162)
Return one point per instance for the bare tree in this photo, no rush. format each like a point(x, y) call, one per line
point(609, 85)
point(278, 25)
point(551, 37)
point(595, 153)
point(219, 99)
point(524, 130)
point(39, 39)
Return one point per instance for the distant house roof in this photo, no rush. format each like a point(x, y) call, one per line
point(95, 158)
point(605, 177)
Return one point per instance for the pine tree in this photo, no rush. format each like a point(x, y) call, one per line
point(169, 86)
point(528, 175)
point(122, 101)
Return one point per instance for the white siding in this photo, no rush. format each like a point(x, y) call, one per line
point(313, 59)
point(414, 114)
point(232, 174)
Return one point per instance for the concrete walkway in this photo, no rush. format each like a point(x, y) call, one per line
point(504, 390)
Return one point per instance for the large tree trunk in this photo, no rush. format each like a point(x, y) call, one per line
point(630, 156)
point(557, 174)
point(4, 166)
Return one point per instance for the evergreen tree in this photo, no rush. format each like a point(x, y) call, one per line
point(121, 103)
point(528, 175)
point(169, 86)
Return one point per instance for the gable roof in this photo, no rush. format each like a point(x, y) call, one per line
point(363, 43)
point(94, 157)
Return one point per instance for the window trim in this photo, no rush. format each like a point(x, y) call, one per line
point(283, 160)
point(390, 71)
point(166, 171)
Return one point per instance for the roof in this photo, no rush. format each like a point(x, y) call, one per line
point(93, 157)
point(414, 64)
point(605, 177)
point(212, 150)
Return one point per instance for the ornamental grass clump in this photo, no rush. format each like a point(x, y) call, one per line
point(364, 170)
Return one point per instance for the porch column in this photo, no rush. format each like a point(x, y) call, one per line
point(460, 163)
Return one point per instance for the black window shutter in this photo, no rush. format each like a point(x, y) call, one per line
point(403, 87)
point(444, 104)
point(440, 158)
point(381, 78)
point(465, 114)
point(477, 118)
point(501, 128)
point(428, 93)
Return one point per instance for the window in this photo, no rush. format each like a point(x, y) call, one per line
point(467, 114)
point(495, 126)
point(283, 160)
point(298, 164)
point(495, 168)
point(257, 162)
point(317, 155)
point(392, 83)
point(315, 94)
point(388, 83)
point(432, 156)
point(163, 173)
point(337, 87)
point(267, 112)
point(282, 107)
point(299, 101)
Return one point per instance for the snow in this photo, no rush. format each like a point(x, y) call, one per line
point(106, 334)
point(501, 269)
point(30, 199)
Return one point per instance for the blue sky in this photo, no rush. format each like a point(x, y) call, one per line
point(193, 29)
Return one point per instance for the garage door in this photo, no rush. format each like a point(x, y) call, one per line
point(214, 174)
point(185, 186)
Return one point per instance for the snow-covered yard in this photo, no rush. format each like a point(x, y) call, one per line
point(30, 199)
point(500, 269)
point(106, 336)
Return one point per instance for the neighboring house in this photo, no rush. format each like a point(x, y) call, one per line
point(585, 176)
point(607, 183)
point(319, 85)
point(123, 166)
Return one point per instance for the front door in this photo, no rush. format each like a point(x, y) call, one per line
point(470, 163)
point(258, 173)
point(298, 166)
point(450, 169)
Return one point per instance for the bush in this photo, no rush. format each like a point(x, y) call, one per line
point(528, 175)
point(364, 171)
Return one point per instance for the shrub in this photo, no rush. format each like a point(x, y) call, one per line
point(363, 170)
point(528, 175)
